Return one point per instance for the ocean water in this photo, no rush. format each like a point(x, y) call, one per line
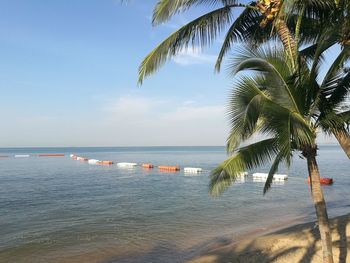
point(54, 209)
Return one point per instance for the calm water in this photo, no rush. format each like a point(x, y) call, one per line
point(55, 209)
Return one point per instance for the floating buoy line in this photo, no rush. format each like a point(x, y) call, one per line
point(260, 177)
point(132, 165)
point(169, 168)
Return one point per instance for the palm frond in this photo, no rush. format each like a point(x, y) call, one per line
point(309, 30)
point(238, 31)
point(327, 38)
point(345, 115)
point(248, 157)
point(244, 111)
point(308, 52)
point(287, 126)
point(165, 9)
point(274, 66)
point(332, 123)
point(200, 32)
point(274, 168)
point(337, 64)
point(320, 9)
point(301, 131)
point(337, 93)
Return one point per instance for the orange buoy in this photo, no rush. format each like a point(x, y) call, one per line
point(323, 180)
point(147, 165)
point(169, 168)
point(51, 155)
point(106, 162)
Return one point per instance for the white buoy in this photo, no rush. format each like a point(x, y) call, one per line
point(192, 170)
point(263, 180)
point(22, 155)
point(126, 165)
point(260, 175)
point(281, 177)
point(93, 161)
point(275, 176)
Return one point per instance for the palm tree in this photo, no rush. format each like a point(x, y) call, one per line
point(260, 21)
point(284, 100)
point(288, 107)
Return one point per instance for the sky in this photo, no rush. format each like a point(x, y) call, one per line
point(68, 77)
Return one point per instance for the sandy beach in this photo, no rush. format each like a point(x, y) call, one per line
point(299, 243)
point(295, 244)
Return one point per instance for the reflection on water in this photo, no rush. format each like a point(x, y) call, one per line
point(59, 210)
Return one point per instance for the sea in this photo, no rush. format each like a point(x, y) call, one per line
point(55, 209)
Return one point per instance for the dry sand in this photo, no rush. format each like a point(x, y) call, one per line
point(296, 244)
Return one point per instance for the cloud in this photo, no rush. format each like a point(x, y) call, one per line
point(127, 120)
point(156, 110)
point(195, 113)
point(124, 121)
point(193, 56)
point(144, 121)
point(132, 106)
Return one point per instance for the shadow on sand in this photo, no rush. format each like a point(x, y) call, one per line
point(299, 244)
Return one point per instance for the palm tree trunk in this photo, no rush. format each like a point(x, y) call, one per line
point(344, 142)
point(320, 205)
point(286, 37)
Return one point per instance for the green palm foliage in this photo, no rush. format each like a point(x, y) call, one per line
point(295, 23)
point(340, 21)
point(336, 20)
point(254, 25)
point(287, 107)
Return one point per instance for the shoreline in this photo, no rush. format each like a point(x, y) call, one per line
point(295, 243)
point(286, 242)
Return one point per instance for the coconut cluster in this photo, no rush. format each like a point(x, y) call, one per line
point(270, 9)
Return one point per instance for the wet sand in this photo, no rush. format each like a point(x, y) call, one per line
point(299, 243)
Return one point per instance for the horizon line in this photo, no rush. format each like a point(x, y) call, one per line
point(133, 146)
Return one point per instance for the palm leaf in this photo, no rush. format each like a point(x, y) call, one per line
point(337, 90)
point(275, 69)
point(337, 64)
point(274, 168)
point(165, 9)
point(327, 38)
point(334, 123)
point(244, 111)
point(238, 31)
point(245, 158)
point(200, 32)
